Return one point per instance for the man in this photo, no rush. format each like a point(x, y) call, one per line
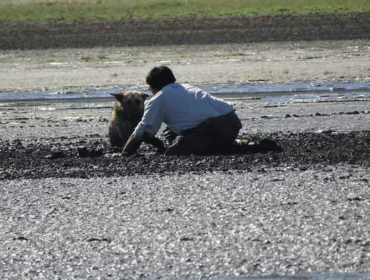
point(205, 124)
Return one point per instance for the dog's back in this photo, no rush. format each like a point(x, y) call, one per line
point(126, 113)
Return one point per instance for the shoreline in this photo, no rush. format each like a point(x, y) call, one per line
point(255, 63)
point(287, 92)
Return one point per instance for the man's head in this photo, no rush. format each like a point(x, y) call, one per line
point(160, 77)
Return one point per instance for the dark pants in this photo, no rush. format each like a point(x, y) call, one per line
point(213, 136)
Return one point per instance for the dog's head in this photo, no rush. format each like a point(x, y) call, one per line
point(132, 101)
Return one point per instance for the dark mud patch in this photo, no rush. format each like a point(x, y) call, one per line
point(91, 156)
point(185, 31)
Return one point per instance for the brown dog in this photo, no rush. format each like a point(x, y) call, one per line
point(126, 114)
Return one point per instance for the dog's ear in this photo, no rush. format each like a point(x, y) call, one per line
point(118, 96)
point(144, 95)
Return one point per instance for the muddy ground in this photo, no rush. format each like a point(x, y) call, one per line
point(188, 31)
point(70, 208)
point(72, 141)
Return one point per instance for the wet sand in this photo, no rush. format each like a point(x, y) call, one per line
point(70, 208)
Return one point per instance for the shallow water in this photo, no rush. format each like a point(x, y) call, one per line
point(268, 93)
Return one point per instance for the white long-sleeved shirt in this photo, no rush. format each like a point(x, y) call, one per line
point(180, 107)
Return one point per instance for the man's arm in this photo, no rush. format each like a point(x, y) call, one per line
point(154, 141)
point(132, 145)
point(147, 127)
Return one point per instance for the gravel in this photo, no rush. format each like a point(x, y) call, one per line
point(270, 221)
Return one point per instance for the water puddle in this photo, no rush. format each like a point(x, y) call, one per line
point(269, 93)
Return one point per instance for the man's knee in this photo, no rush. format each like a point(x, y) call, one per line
point(189, 144)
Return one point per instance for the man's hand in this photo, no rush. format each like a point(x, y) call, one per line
point(131, 146)
point(154, 141)
point(169, 135)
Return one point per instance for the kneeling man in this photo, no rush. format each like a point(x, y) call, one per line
point(205, 124)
